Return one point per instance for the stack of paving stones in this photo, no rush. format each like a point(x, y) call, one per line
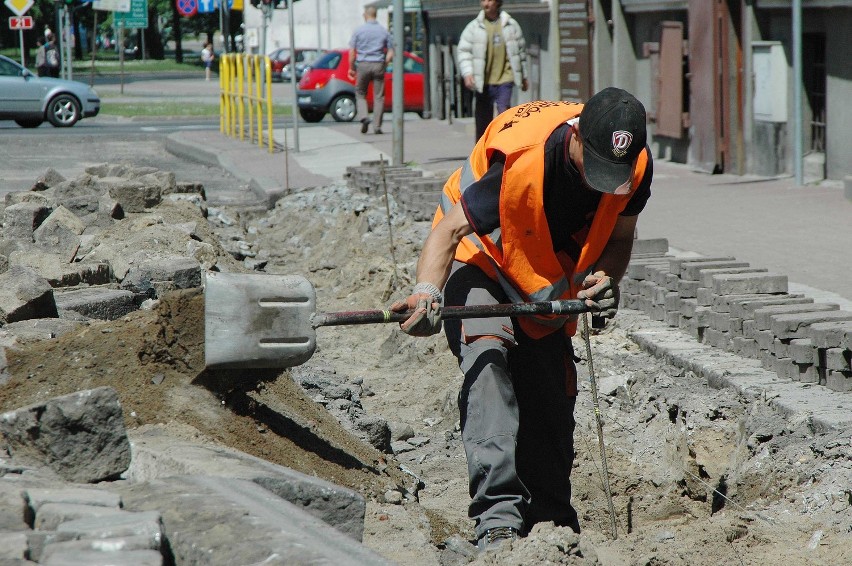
point(745, 310)
point(417, 194)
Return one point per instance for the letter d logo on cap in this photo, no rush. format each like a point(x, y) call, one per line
point(621, 141)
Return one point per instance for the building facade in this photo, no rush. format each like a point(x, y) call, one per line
point(717, 76)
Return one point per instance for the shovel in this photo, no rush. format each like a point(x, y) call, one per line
point(255, 320)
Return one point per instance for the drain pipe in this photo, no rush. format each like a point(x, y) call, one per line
point(798, 142)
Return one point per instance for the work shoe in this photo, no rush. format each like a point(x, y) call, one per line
point(495, 537)
point(365, 124)
point(378, 131)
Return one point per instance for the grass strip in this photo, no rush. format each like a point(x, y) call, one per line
point(172, 109)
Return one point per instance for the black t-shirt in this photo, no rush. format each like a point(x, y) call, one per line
point(568, 206)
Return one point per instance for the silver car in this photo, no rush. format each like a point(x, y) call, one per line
point(29, 100)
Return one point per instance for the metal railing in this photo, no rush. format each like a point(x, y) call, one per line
point(245, 102)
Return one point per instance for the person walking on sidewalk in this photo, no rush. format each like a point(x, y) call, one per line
point(370, 50)
point(40, 59)
point(492, 58)
point(53, 60)
point(544, 209)
point(207, 57)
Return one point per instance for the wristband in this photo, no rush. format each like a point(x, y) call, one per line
point(430, 290)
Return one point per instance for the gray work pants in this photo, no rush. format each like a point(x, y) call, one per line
point(517, 417)
point(365, 73)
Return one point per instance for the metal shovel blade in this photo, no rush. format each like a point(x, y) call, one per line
point(257, 320)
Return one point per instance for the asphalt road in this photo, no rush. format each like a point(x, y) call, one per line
point(26, 154)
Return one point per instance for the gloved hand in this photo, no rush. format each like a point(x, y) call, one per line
point(426, 318)
point(600, 293)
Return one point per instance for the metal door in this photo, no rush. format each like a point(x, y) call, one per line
point(709, 86)
point(670, 115)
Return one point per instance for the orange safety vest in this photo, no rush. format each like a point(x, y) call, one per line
point(519, 254)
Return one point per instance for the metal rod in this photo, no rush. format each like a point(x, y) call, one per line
point(398, 60)
point(559, 308)
point(599, 423)
point(293, 81)
point(390, 224)
point(798, 142)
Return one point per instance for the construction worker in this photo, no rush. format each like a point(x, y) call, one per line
point(545, 208)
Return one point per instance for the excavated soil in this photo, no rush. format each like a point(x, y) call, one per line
point(698, 476)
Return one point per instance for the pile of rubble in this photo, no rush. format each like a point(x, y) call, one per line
point(98, 245)
point(76, 487)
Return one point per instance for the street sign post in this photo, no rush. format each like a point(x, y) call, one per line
point(19, 7)
point(21, 22)
point(187, 8)
point(136, 16)
point(110, 5)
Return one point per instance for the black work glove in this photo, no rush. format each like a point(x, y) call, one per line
point(426, 318)
point(600, 293)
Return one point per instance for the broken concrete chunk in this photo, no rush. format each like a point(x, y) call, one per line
point(183, 272)
point(21, 220)
point(26, 196)
point(60, 273)
point(35, 497)
point(165, 180)
point(24, 294)
point(146, 524)
point(50, 515)
point(133, 195)
point(215, 513)
point(159, 455)
point(80, 436)
point(97, 302)
point(100, 558)
point(109, 207)
point(39, 540)
point(60, 233)
point(190, 187)
point(376, 431)
point(107, 545)
point(48, 179)
point(13, 546)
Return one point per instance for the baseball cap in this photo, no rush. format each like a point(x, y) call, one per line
point(612, 127)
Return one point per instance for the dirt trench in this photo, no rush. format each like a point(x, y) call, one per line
point(698, 476)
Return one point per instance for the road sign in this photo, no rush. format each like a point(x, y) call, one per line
point(111, 5)
point(207, 6)
point(19, 7)
point(22, 22)
point(136, 17)
point(187, 8)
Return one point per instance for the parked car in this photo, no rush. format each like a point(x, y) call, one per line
point(326, 88)
point(29, 100)
point(280, 58)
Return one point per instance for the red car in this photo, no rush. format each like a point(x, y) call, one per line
point(325, 87)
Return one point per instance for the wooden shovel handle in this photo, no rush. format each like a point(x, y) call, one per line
point(562, 308)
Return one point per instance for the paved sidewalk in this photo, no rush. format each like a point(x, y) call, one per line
point(803, 232)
